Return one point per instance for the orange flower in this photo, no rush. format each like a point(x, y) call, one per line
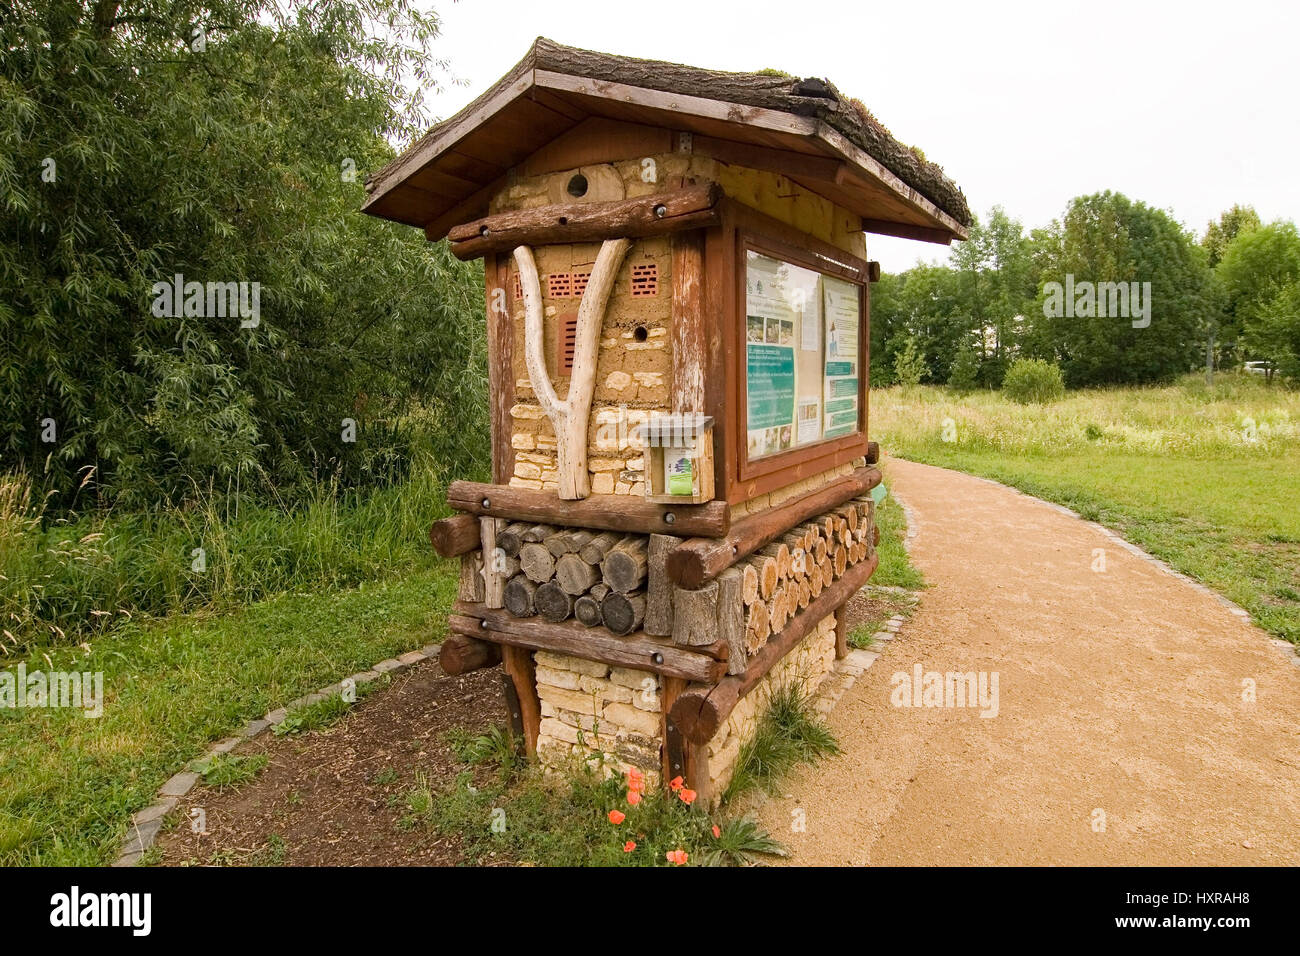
point(677, 856)
point(717, 832)
point(675, 784)
point(616, 817)
point(633, 797)
point(635, 780)
point(688, 796)
point(629, 846)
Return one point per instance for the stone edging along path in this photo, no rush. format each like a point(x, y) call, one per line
point(146, 823)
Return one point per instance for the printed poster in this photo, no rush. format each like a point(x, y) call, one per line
point(841, 308)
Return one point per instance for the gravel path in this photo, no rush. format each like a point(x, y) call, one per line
point(1121, 734)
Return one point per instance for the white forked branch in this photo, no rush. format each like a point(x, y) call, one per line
point(569, 416)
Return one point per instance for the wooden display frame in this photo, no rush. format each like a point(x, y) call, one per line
point(744, 229)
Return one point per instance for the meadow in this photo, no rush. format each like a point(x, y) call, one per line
point(1205, 477)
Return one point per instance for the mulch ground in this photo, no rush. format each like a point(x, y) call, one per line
point(336, 796)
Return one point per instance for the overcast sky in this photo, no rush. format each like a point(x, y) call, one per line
point(1188, 107)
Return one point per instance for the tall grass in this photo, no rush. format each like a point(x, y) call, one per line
point(67, 579)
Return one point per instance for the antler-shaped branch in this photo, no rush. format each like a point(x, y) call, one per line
point(569, 416)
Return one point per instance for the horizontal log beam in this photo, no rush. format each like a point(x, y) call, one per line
point(699, 712)
point(903, 230)
point(626, 513)
point(694, 563)
point(454, 536)
point(635, 651)
point(461, 654)
point(694, 207)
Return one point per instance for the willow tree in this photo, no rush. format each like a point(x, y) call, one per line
point(224, 143)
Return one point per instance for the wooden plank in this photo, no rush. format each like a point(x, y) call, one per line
point(905, 230)
point(518, 664)
point(624, 513)
point(842, 632)
point(494, 580)
point(598, 139)
point(689, 208)
point(501, 369)
point(699, 560)
point(636, 651)
point(699, 712)
point(689, 335)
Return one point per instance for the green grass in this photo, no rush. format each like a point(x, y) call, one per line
point(788, 734)
point(171, 687)
point(65, 580)
point(895, 568)
point(1206, 479)
point(521, 815)
point(223, 771)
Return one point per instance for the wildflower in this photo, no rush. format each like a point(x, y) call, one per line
point(688, 796)
point(616, 817)
point(629, 846)
point(677, 856)
point(676, 784)
point(717, 832)
point(635, 780)
point(633, 797)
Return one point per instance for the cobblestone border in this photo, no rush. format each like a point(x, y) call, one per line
point(146, 823)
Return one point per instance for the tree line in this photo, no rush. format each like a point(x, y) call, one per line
point(1115, 292)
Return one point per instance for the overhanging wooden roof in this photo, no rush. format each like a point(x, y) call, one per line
point(803, 128)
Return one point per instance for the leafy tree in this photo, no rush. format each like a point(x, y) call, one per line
point(1275, 332)
point(1232, 223)
point(1107, 237)
point(227, 142)
point(1256, 268)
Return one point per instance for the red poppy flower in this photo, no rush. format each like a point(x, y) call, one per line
point(688, 796)
point(717, 831)
point(629, 846)
point(677, 856)
point(633, 797)
point(676, 784)
point(616, 817)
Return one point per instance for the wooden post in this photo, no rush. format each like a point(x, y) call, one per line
point(842, 631)
point(659, 590)
point(571, 415)
point(518, 663)
point(501, 368)
point(494, 581)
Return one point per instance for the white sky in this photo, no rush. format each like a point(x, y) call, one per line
point(1188, 107)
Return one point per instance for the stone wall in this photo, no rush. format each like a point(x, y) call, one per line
point(804, 667)
point(591, 709)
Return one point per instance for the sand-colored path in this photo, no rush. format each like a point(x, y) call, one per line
point(1120, 693)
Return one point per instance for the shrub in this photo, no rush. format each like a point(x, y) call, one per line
point(963, 375)
point(1033, 381)
point(909, 364)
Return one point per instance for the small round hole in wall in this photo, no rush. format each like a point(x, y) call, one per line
point(578, 185)
point(640, 333)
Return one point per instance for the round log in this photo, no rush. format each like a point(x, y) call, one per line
point(454, 536)
point(626, 565)
point(575, 575)
point(552, 603)
point(623, 613)
point(460, 654)
point(520, 596)
point(537, 563)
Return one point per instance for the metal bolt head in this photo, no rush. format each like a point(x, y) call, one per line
point(669, 517)
point(486, 502)
point(661, 211)
point(657, 658)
